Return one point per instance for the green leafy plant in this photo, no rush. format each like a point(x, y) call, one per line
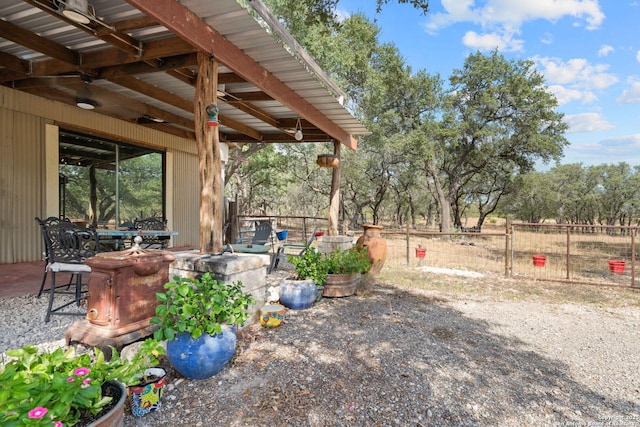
point(199, 306)
point(347, 261)
point(60, 387)
point(310, 265)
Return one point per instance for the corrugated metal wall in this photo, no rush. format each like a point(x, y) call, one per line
point(23, 118)
point(186, 199)
point(21, 195)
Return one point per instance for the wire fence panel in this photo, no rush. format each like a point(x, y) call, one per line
point(602, 255)
point(575, 253)
point(597, 255)
point(478, 252)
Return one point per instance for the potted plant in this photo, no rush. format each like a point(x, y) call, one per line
point(344, 268)
point(63, 388)
point(198, 318)
point(302, 290)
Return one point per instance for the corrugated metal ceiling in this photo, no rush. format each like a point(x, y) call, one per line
point(228, 17)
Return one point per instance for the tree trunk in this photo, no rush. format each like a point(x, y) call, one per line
point(445, 206)
point(334, 205)
point(93, 197)
point(209, 164)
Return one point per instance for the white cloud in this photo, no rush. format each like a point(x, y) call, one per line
point(630, 95)
point(587, 122)
point(575, 79)
point(565, 95)
point(611, 150)
point(509, 13)
point(638, 56)
point(489, 41)
point(605, 50)
point(501, 19)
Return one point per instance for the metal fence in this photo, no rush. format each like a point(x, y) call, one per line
point(589, 254)
point(604, 255)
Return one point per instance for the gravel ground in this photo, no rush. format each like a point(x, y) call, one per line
point(397, 357)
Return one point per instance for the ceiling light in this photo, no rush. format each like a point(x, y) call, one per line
point(298, 135)
point(75, 10)
point(86, 103)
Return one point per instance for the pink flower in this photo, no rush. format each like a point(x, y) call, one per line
point(57, 424)
point(81, 372)
point(70, 380)
point(37, 412)
point(86, 381)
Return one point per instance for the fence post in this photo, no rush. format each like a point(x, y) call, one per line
point(633, 258)
point(507, 240)
point(568, 252)
point(408, 249)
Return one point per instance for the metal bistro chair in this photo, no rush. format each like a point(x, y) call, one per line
point(46, 223)
point(152, 223)
point(290, 249)
point(67, 247)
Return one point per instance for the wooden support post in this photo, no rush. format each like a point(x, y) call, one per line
point(209, 162)
point(334, 205)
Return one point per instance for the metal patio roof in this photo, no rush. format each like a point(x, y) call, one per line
point(137, 59)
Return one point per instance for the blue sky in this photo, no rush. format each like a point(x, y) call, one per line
point(588, 51)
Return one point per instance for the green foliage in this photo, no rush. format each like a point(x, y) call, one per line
point(140, 189)
point(347, 261)
point(61, 387)
point(310, 266)
point(199, 306)
point(315, 266)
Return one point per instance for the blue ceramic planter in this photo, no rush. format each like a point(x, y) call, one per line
point(204, 357)
point(298, 294)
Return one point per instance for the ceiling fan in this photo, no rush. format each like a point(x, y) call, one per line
point(85, 98)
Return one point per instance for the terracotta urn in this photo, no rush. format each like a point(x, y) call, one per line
point(376, 246)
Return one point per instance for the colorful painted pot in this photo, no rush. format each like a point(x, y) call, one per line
point(145, 397)
point(272, 315)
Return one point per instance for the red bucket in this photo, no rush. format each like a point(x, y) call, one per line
point(616, 266)
point(421, 252)
point(539, 260)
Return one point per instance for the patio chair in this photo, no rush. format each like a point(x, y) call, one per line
point(46, 223)
point(262, 234)
point(67, 246)
point(290, 249)
point(152, 223)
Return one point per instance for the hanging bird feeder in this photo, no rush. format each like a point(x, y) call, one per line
point(328, 161)
point(212, 112)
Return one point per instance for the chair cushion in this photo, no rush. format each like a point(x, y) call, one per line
point(61, 267)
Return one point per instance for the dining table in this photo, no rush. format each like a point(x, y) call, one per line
point(117, 237)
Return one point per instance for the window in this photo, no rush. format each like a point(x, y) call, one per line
point(108, 183)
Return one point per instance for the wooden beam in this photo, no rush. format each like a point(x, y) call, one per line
point(39, 44)
point(14, 63)
point(121, 40)
point(186, 24)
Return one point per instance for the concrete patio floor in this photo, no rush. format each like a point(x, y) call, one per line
point(20, 278)
point(25, 277)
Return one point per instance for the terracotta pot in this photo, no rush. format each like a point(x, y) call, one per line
point(376, 246)
point(115, 416)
